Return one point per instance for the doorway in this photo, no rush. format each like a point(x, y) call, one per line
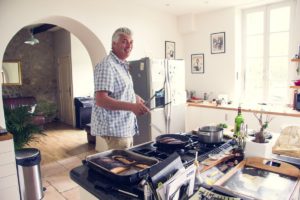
point(45, 79)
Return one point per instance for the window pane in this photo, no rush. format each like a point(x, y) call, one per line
point(254, 79)
point(278, 73)
point(280, 19)
point(278, 69)
point(266, 67)
point(279, 44)
point(254, 46)
point(255, 23)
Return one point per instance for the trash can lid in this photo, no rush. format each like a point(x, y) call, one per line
point(26, 153)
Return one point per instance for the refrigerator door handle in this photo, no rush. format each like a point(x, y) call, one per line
point(167, 97)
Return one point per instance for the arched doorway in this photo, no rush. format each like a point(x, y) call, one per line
point(92, 44)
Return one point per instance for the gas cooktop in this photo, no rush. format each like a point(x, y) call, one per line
point(188, 152)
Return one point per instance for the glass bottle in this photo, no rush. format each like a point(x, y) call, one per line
point(238, 121)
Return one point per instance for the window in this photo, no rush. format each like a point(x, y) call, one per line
point(266, 32)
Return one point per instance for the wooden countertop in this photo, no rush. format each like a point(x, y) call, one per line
point(283, 111)
point(7, 136)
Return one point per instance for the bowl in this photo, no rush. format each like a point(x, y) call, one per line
point(297, 83)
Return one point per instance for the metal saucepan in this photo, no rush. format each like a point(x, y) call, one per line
point(210, 134)
point(172, 141)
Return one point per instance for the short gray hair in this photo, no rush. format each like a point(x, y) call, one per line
point(120, 31)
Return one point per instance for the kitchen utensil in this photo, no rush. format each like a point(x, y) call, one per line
point(172, 141)
point(210, 134)
point(131, 177)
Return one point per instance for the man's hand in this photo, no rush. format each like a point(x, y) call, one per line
point(140, 108)
point(139, 99)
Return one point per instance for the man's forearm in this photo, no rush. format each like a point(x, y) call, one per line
point(113, 104)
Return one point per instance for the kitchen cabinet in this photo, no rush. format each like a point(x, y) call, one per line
point(197, 116)
point(9, 188)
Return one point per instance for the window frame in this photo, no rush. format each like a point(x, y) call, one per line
point(266, 36)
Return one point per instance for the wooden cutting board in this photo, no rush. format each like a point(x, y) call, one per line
point(288, 143)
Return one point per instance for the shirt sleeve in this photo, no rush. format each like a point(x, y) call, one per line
point(104, 77)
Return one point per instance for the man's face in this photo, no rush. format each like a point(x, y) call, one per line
point(123, 46)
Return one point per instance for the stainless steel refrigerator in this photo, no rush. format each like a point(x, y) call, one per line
point(161, 83)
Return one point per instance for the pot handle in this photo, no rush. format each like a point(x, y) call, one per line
point(204, 133)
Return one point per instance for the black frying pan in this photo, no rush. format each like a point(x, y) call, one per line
point(172, 141)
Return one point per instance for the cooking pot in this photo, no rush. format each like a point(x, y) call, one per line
point(172, 141)
point(210, 134)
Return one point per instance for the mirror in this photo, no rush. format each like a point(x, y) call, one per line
point(11, 73)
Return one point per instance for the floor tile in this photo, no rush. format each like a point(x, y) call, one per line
point(52, 194)
point(70, 163)
point(73, 194)
point(52, 169)
point(82, 156)
point(45, 183)
point(61, 182)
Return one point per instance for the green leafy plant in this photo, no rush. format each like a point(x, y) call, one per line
point(19, 123)
point(46, 108)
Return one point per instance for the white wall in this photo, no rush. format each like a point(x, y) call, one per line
point(151, 28)
point(82, 69)
point(219, 69)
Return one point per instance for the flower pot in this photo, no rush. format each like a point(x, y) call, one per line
point(254, 149)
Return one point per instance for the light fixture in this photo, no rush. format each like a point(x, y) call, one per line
point(32, 40)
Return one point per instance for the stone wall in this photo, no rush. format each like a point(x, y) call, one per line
point(38, 67)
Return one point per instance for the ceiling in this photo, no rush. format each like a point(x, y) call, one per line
point(182, 7)
point(175, 7)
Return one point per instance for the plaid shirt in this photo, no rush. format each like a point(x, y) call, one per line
point(112, 75)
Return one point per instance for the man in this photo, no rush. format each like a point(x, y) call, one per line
point(116, 105)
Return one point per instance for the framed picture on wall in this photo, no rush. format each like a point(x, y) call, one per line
point(217, 41)
point(169, 50)
point(197, 63)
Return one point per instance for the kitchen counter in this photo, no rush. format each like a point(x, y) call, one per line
point(99, 186)
point(267, 109)
point(7, 136)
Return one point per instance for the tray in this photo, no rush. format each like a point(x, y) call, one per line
point(132, 173)
point(259, 178)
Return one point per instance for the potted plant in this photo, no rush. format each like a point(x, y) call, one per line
point(47, 109)
point(260, 136)
point(259, 146)
point(19, 123)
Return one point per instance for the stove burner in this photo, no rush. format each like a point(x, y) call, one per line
point(187, 153)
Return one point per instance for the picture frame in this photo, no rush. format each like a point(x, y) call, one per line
point(11, 73)
point(217, 41)
point(197, 63)
point(169, 50)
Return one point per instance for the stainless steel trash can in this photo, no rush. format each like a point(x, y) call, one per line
point(29, 173)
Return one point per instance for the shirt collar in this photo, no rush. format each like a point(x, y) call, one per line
point(119, 60)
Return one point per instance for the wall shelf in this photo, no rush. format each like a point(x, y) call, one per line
point(295, 87)
point(295, 60)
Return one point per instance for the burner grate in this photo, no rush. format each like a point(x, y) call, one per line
point(187, 153)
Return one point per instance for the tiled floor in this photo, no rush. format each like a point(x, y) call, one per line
point(62, 148)
point(56, 179)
